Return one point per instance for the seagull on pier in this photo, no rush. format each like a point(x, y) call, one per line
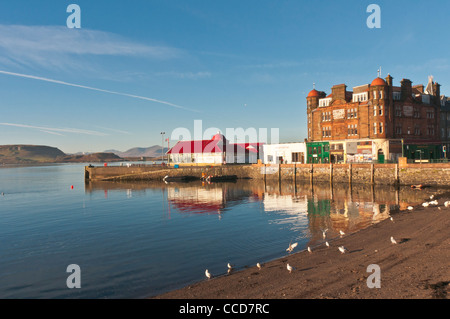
point(426, 204)
point(289, 268)
point(432, 196)
point(327, 244)
point(207, 274)
point(324, 233)
point(410, 208)
point(341, 233)
point(291, 247)
point(393, 240)
point(392, 219)
point(447, 203)
point(342, 249)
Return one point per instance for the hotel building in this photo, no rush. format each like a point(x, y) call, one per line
point(377, 121)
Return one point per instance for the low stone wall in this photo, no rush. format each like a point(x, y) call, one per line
point(388, 174)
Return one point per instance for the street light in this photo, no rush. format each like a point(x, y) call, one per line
point(162, 147)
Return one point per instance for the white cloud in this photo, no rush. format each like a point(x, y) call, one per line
point(56, 131)
point(185, 75)
point(58, 46)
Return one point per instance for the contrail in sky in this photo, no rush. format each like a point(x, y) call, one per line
point(95, 89)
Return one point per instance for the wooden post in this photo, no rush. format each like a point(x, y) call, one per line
point(397, 180)
point(331, 173)
point(279, 173)
point(311, 174)
point(295, 174)
point(350, 173)
point(372, 171)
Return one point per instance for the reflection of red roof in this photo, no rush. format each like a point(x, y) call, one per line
point(188, 206)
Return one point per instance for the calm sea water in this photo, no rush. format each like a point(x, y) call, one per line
point(135, 240)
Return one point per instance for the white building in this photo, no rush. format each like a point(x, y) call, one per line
point(214, 151)
point(285, 153)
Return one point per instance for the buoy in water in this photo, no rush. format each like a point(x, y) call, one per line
point(71, 187)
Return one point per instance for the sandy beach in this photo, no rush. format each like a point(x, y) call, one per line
point(417, 267)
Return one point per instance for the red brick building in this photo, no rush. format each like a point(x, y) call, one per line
point(373, 120)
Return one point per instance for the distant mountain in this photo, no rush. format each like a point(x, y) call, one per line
point(29, 154)
point(152, 151)
point(93, 157)
point(34, 154)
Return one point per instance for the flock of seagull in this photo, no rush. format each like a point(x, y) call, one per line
point(342, 249)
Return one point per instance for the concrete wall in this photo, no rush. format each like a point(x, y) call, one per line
point(388, 174)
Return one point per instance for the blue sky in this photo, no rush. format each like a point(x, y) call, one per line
point(228, 63)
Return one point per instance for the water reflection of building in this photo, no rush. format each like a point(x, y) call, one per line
point(290, 210)
point(213, 198)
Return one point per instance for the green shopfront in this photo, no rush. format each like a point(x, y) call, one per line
point(318, 152)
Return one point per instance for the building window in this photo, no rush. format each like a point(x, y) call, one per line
point(397, 96)
point(398, 110)
point(417, 130)
point(381, 128)
point(398, 130)
point(430, 114)
point(374, 110)
point(448, 132)
point(375, 129)
point(352, 114)
point(416, 113)
point(380, 110)
point(381, 94)
point(297, 157)
point(374, 94)
point(326, 132)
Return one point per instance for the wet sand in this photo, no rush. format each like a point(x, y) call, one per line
point(417, 267)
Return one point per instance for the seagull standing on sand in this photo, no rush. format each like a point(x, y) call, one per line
point(324, 233)
point(207, 274)
point(393, 240)
point(341, 233)
point(258, 265)
point(342, 249)
point(410, 208)
point(327, 244)
point(426, 204)
point(309, 250)
point(289, 268)
point(447, 203)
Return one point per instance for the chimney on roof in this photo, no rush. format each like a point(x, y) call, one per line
point(339, 92)
point(389, 79)
point(406, 88)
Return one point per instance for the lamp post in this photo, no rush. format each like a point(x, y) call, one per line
point(162, 147)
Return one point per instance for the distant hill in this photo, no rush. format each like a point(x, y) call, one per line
point(94, 157)
point(34, 154)
point(152, 151)
point(29, 154)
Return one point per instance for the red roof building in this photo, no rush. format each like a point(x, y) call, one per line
point(217, 150)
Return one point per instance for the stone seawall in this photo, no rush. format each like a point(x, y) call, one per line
point(388, 174)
